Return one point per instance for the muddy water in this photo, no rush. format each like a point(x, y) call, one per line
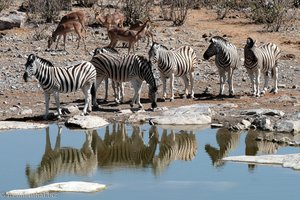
point(145, 162)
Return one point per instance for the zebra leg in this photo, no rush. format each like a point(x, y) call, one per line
point(230, 82)
point(257, 80)
point(47, 99)
point(192, 84)
point(186, 84)
point(251, 76)
point(94, 91)
point(164, 80)
point(115, 86)
point(222, 81)
point(56, 96)
point(86, 89)
point(122, 92)
point(275, 77)
point(266, 76)
point(172, 87)
point(106, 89)
point(137, 86)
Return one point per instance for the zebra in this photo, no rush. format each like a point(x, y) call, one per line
point(63, 160)
point(125, 68)
point(226, 59)
point(118, 88)
point(263, 59)
point(177, 63)
point(56, 79)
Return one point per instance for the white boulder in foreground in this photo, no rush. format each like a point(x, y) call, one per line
point(289, 160)
point(86, 122)
point(6, 125)
point(72, 186)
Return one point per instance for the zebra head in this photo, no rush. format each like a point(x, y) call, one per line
point(154, 51)
point(30, 67)
point(105, 50)
point(250, 43)
point(153, 96)
point(214, 47)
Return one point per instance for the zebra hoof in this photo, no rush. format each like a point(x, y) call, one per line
point(172, 100)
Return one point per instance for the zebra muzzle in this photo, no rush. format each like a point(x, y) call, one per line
point(25, 77)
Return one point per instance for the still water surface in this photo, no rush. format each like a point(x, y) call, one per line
point(144, 162)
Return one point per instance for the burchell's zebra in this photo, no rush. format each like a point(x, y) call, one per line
point(125, 68)
point(226, 59)
point(118, 88)
point(178, 63)
point(263, 59)
point(61, 79)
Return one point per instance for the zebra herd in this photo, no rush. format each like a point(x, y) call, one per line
point(109, 64)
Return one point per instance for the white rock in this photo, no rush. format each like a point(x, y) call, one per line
point(72, 186)
point(16, 19)
point(288, 126)
point(6, 125)
point(289, 160)
point(86, 122)
point(197, 114)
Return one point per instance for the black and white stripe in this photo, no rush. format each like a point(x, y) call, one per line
point(177, 63)
point(118, 88)
point(61, 79)
point(125, 68)
point(258, 60)
point(226, 59)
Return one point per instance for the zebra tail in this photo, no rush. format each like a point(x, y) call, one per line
point(93, 91)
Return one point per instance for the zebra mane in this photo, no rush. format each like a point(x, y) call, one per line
point(219, 38)
point(162, 46)
point(44, 61)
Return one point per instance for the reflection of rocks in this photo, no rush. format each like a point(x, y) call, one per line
point(175, 146)
point(227, 141)
point(59, 161)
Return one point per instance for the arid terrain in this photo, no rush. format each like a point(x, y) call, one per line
point(17, 97)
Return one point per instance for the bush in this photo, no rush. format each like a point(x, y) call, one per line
point(275, 14)
point(135, 10)
point(176, 10)
point(47, 10)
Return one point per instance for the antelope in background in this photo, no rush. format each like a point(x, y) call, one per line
point(72, 22)
point(111, 20)
point(129, 36)
point(138, 26)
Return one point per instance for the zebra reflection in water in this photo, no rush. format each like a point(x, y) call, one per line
point(117, 149)
point(227, 141)
point(60, 161)
point(255, 147)
point(175, 146)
